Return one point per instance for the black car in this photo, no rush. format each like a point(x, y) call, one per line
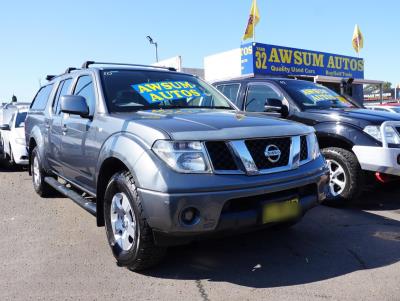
point(355, 141)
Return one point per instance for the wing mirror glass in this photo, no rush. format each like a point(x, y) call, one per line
point(74, 105)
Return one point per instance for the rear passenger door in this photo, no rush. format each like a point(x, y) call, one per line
point(78, 139)
point(38, 117)
point(55, 130)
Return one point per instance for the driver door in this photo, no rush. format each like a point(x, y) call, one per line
point(257, 97)
point(78, 138)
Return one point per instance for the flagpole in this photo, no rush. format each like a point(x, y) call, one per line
point(254, 17)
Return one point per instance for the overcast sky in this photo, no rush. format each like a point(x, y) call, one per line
point(45, 37)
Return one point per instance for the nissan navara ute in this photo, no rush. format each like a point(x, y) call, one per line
point(162, 158)
point(358, 144)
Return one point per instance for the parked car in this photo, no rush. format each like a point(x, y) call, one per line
point(385, 108)
point(12, 137)
point(355, 141)
point(6, 112)
point(162, 158)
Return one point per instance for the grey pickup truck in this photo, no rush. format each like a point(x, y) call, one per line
point(162, 158)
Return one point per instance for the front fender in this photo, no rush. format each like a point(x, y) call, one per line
point(123, 146)
point(345, 132)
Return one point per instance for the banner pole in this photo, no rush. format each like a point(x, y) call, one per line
point(254, 15)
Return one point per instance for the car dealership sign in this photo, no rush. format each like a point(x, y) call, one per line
point(263, 59)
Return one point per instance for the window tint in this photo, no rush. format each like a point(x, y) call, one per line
point(257, 96)
point(84, 87)
point(40, 101)
point(230, 91)
point(63, 89)
point(20, 119)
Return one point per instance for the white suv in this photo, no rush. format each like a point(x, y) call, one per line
point(13, 138)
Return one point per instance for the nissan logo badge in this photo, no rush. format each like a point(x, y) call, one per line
point(272, 153)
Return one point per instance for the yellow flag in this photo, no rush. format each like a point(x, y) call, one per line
point(358, 39)
point(254, 18)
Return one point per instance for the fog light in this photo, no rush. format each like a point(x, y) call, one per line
point(190, 216)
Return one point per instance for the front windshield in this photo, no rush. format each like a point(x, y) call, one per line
point(397, 110)
point(20, 120)
point(133, 90)
point(309, 95)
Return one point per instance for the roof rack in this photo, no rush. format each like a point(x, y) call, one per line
point(86, 65)
point(69, 70)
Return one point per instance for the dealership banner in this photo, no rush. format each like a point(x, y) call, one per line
point(263, 59)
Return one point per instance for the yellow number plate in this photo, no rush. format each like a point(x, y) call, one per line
point(277, 212)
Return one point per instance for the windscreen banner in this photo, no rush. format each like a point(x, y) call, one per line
point(264, 59)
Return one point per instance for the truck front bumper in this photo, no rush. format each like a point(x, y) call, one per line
point(227, 210)
point(20, 154)
point(380, 159)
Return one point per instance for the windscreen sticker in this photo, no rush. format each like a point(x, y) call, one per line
point(167, 91)
point(319, 95)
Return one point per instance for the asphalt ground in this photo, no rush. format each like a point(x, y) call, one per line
point(51, 249)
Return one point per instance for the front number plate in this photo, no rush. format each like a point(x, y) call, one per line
point(277, 212)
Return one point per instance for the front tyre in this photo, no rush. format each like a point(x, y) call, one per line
point(129, 235)
point(345, 175)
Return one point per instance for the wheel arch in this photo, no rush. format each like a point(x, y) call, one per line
point(109, 167)
point(31, 146)
point(326, 141)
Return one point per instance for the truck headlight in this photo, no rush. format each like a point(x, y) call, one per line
point(185, 156)
point(314, 146)
point(20, 141)
point(375, 131)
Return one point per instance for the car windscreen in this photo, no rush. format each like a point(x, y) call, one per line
point(20, 119)
point(133, 90)
point(397, 110)
point(309, 95)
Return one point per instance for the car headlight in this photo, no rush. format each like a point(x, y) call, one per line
point(392, 137)
point(185, 156)
point(20, 141)
point(314, 146)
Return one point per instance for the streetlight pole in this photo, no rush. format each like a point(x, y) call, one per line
point(152, 42)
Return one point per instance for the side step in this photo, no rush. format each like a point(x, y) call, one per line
point(78, 199)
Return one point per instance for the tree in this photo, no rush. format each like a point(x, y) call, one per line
point(387, 86)
point(14, 98)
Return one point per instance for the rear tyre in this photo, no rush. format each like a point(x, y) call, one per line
point(129, 235)
point(12, 161)
point(346, 176)
point(38, 175)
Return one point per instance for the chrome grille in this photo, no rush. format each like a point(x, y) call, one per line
point(257, 149)
point(252, 156)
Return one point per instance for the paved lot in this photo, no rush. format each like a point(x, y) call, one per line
point(52, 249)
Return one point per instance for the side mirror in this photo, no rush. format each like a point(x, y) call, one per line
point(274, 105)
point(75, 105)
point(5, 127)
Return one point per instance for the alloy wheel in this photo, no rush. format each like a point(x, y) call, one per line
point(123, 221)
point(338, 179)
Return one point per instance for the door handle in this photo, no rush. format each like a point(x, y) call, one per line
point(64, 129)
